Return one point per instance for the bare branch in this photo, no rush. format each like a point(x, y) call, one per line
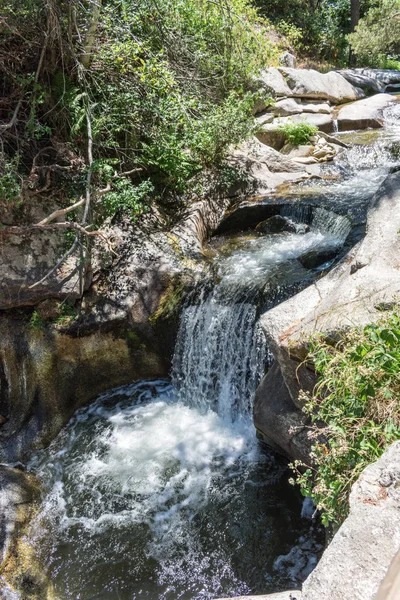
point(13, 118)
point(60, 212)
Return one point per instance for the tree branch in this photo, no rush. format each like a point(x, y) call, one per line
point(59, 213)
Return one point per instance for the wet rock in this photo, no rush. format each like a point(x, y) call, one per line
point(307, 83)
point(282, 425)
point(371, 80)
point(364, 113)
point(17, 492)
point(276, 224)
point(359, 79)
point(316, 258)
point(356, 561)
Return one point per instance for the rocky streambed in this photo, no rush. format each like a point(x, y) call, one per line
point(309, 233)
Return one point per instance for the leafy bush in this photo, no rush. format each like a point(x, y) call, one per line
point(358, 400)
point(298, 133)
point(167, 87)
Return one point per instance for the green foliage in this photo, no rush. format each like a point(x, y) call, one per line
point(10, 180)
point(298, 133)
point(36, 321)
point(376, 41)
point(357, 398)
point(167, 90)
point(126, 197)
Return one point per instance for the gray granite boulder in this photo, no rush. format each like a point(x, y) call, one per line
point(364, 113)
point(356, 561)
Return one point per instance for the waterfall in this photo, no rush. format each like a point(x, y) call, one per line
point(220, 355)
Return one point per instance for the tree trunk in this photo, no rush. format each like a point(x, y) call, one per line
point(355, 13)
point(355, 17)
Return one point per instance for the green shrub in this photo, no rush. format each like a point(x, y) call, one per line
point(298, 133)
point(358, 399)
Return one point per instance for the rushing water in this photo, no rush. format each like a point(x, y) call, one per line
point(160, 490)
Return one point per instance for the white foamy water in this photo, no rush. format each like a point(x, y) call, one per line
point(150, 498)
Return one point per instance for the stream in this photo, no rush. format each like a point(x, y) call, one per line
point(161, 489)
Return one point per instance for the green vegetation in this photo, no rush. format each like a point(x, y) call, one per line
point(298, 133)
point(132, 99)
point(36, 321)
point(358, 401)
point(376, 40)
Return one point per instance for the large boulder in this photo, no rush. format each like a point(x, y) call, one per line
point(351, 294)
point(263, 168)
point(271, 134)
point(282, 426)
point(356, 561)
point(27, 268)
point(364, 113)
point(307, 83)
point(371, 81)
point(272, 81)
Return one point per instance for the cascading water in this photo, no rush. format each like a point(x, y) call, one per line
point(162, 491)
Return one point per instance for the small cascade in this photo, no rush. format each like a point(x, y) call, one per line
point(219, 357)
point(335, 125)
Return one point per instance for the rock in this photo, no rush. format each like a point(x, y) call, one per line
point(364, 113)
point(269, 135)
point(49, 309)
point(285, 107)
point(17, 492)
point(282, 425)
point(301, 151)
point(264, 168)
point(307, 83)
point(28, 255)
point(366, 279)
point(356, 561)
point(305, 160)
point(317, 108)
point(371, 80)
point(272, 81)
point(253, 150)
point(316, 258)
point(276, 224)
point(356, 77)
point(393, 88)
point(323, 122)
point(264, 119)
point(288, 60)
point(289, 595)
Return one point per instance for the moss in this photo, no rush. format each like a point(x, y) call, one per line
point(170, 300)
